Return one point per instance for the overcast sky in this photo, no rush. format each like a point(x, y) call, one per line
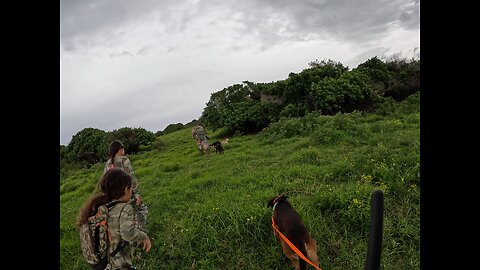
point(151, 63)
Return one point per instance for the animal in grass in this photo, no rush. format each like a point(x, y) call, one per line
point(225, 141)
point(288, 222)
point(218, 147)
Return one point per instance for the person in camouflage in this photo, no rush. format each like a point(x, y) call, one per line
point(200, 135)
point(116, 185)
point(118, 159)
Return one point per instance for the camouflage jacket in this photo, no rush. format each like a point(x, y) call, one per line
point(121, 224)
point(124, 163)
point(199, 133)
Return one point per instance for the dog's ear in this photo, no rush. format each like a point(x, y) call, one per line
point(270, 203)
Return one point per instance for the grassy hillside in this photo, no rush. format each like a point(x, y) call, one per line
point(210, 212)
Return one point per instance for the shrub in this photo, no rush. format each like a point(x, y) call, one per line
point(85, 142)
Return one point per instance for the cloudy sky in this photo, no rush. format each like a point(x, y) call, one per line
point(151, 63)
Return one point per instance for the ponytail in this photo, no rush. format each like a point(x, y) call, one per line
point(90, 208)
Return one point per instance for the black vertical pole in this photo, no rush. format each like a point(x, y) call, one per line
point(374, 251)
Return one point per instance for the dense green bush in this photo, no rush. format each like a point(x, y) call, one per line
point(90, 146)
point(326, 87)
point(85, 142)
point(344, 94)
point(132, 138)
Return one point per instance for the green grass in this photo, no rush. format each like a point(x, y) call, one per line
point(210, 212)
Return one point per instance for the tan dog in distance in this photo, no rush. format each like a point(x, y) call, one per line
point(289, 223)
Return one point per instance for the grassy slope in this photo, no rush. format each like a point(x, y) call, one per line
point(210, 212)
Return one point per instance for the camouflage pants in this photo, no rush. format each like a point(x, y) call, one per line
point(203, 146)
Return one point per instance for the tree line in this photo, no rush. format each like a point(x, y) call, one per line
point(326, 87)
point(90, 145)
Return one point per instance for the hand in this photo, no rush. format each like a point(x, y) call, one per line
point(147, 244)
point(138, 200)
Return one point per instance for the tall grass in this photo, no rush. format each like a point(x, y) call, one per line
point(210, 212)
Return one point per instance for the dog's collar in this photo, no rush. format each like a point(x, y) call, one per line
point(275, 204)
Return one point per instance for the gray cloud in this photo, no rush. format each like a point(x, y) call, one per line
point(144, 50)
point(91, 22)
point(124, 53)
point(151, 63)
point(343, 20)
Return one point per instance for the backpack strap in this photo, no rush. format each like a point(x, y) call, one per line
point(123, 242)
point(112, 204)
point(119, 247)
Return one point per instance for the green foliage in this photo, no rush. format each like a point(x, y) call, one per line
point(63, 151)
point(327, 68)
point(232, 109)
point(134, 139)
point(172, 127)
point(405, 80)
point(90, 146)
point(290, 127)
point(376, 69)
point(209, 212)
point(88, 140)
point(345, 94)
point(325, 87)
point(223, 105)
point(239, 107)
point(320, 128)
point(292, 111)
point(396, 78)
point(159, 144)
point(389, 106)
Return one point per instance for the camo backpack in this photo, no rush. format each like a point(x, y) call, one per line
point(95, 238)
point(199, 133)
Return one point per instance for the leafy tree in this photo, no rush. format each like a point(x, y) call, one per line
point(132, 138)
point(223, 105)
point(63, 150)
point(344, 94)
point(292, 111)
point(84, 144)
point(396, 77)
point(298, 85)
point(325, 86)
point(406, 80)
point(376, 69)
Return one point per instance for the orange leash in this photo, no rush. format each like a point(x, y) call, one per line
point(293, 247)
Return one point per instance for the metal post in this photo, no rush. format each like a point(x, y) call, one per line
point(374, 251)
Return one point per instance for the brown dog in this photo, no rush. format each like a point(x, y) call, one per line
point(288, 222)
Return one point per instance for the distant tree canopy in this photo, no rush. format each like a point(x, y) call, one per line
point(396, 78)
point(88, 141)
point(91, 144)
point(326, 87)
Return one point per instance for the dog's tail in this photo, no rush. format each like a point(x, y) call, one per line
point(299, 243)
